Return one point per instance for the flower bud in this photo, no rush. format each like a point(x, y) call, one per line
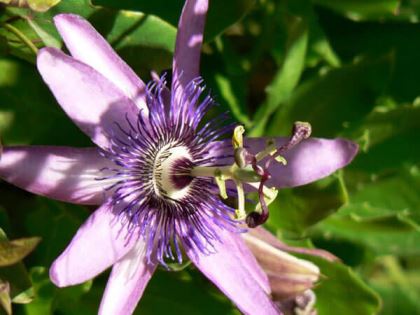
point(289, 276)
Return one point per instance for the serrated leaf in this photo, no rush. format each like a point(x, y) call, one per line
point(389, 234)
point(343, 292)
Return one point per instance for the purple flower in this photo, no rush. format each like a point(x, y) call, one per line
point(155, 170)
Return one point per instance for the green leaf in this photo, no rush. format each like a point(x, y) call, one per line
point(36, 5)
point(334, 100)
point(48, 39)
point(42, 5)
point(227, 92)
point(15, 275)
point(59, 225)
point(145, 42)
point(361, 9)
point(287, 76)
point(352, 40)
point(296, 209)
point(221, 13)
point(388, 234)
point(5, 301)
point(394, 144)
point(14, 251)
point(49, 299)
point(20, 284)
point(343, 292)
point(27, 104)
point(185, 292)
point(399, 285)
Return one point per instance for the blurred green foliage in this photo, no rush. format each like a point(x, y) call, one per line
point(349, 67)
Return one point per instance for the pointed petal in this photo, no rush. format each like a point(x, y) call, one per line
point(275, 261)
point(63, 173)
point(186, 63)
point(99, 243)
point(128, 279)
point(234, 270)
point(262, 234)
point(92, 101)
point(309, 161)
point(88, 46)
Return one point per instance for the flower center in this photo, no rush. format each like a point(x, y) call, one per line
point(167, 178)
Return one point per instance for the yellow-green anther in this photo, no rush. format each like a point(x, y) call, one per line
point(220, 181)
point(270, 149)
point(246, 174)
point(238, 139)
point(239, 156)
point(281, 159)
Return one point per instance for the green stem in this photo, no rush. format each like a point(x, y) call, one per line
point(22, 37)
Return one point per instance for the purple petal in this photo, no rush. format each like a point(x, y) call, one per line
point(128, 279)
point(62, 173)
point(88, 46)
point(307, 162)
point(275, 261)
point(93, 102)
point(265, 236)
point(234, 270)
point(186, 63)
point(99, 243)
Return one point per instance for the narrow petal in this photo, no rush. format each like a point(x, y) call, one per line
point(289, 276)
point(234, 270)
point(92, 101)
point(88, 46)
point(186, 63)
point(128, 279)
point(63, 173)
point(99, 243)
point(275, 261)
point(265, 236)
point(309, 161)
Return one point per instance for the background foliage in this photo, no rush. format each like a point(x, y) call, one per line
point(349, 67)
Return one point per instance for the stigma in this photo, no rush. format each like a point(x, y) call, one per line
point(253, 170)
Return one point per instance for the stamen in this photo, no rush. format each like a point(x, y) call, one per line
point(152, 186)
point(247, 170)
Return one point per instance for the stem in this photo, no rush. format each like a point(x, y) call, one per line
point(22, 37)
point(240, 212)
